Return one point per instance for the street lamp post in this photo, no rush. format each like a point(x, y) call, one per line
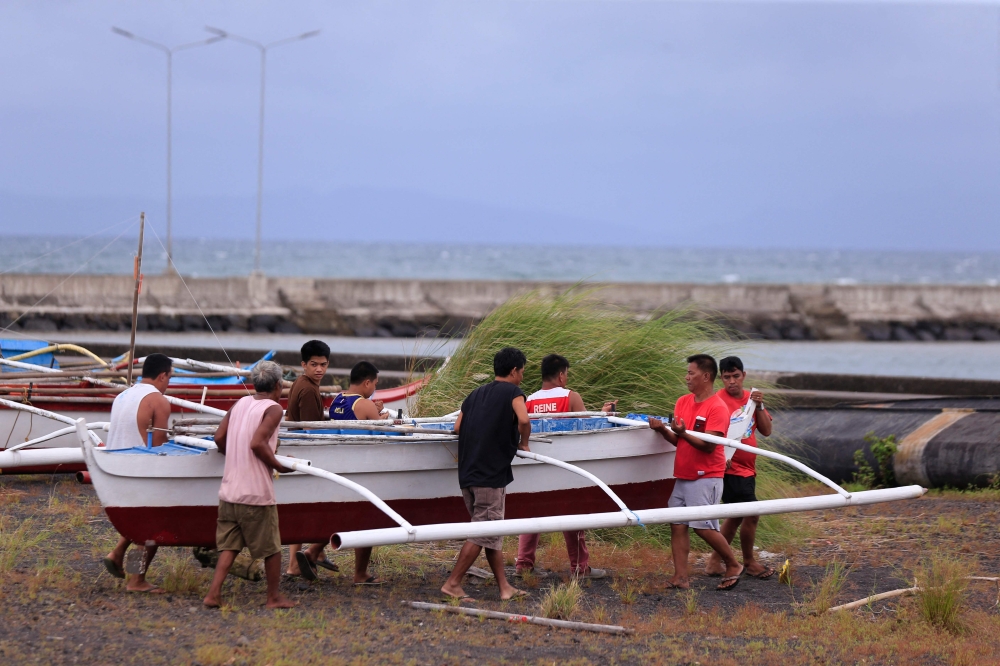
point(263, 48)
point(170, 75)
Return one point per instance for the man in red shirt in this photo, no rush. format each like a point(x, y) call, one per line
point(740, 482)
point(698, 468)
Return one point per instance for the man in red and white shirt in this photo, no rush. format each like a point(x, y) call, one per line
point(555, 398)
point(740, 482)
point(698, 468)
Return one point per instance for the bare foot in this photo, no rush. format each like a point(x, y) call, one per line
point(211, 601)
point(144, 586)
point(514, 593)
point(715, 566)
point(676, 583)
point(454, 591)
point(281, 601)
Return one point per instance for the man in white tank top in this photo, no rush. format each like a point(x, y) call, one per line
point(134, 411)
point(555, 398)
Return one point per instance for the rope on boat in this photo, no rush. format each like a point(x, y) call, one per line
point(195, 300)
point(6, 329)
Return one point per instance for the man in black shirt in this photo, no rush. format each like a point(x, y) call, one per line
point(491, 427)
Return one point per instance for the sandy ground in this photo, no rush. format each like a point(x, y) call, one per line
point(58, 605)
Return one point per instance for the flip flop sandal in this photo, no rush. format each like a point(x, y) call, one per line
point(763, 575)
point(725, 588)
point(372, 580)
point(113, 568)
point(675, 586)
point(327, 564)
point(306, 567)
point(461, 600)
point(520, 594)
point(152, 590)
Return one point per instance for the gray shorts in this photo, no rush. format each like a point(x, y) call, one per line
point(699, 492)
point(485, 504)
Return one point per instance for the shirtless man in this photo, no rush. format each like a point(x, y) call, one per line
point(354, 404)
point(133, 412)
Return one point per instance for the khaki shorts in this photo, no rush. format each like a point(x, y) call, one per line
point(248, 526)
point(485, 504)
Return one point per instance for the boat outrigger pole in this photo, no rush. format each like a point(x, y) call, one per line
point(450, 531)
point(135, 298)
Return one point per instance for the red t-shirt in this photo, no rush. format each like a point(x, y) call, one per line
point(743, 463)
point(689, 462)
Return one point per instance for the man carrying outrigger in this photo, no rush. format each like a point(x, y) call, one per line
point(354, 404)
point(492, 425)
point(555, 398)
point(248, 507)
point(134, 412)
point(740, 482)
point(698, 469)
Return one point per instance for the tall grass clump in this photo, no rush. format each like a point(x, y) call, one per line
point(17, 541)
point(560, 603)
point(826, 590)
point(614, 353)
point(942, 580)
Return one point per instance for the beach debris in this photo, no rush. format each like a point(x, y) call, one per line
point(907, 591)
point(518, 618)
point(785, 575)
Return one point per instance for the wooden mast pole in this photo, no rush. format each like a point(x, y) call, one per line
point(135, 298)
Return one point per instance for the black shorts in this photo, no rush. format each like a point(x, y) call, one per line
point(737, 489)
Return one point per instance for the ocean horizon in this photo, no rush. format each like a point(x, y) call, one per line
point(212, 257)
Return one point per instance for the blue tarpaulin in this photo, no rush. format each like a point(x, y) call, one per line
point(13, 347)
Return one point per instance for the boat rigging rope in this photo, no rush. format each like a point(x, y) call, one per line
point(196, 303)
point(79, 240)
point(7, 328)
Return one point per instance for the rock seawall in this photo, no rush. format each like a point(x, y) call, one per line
point(428, 307)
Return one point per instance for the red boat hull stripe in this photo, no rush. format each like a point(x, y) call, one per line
point(315, 522)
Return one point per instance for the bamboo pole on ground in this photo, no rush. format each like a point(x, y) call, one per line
point(516, 617)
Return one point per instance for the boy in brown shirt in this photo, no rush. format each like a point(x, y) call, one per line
point(304, 400)
point(305, 403)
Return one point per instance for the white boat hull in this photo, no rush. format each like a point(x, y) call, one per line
point(172, 499)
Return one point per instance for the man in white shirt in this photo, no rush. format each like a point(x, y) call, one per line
point(133, 413)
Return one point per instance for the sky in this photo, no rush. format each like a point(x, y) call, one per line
point(695, 124)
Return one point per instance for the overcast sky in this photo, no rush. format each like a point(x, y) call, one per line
point(793, 124)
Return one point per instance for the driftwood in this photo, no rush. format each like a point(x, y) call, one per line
point(527, 619)
point(905, 592)
point(875, 597)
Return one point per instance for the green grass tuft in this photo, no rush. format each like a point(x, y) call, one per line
point(560, 603)
point(15, 542)
point(826, 590)
point(614, 353)
point(942, 580)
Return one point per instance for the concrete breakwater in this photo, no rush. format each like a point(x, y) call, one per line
point(407, 308)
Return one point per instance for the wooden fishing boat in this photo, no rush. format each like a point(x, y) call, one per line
point(91, 399)
point(169, 495)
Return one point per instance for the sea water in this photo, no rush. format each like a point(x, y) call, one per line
point(642, 262)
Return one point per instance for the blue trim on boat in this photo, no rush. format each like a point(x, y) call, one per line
point(170, 448)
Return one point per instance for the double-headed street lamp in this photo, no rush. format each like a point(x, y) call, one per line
point(170, 75)
point(263, 48)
